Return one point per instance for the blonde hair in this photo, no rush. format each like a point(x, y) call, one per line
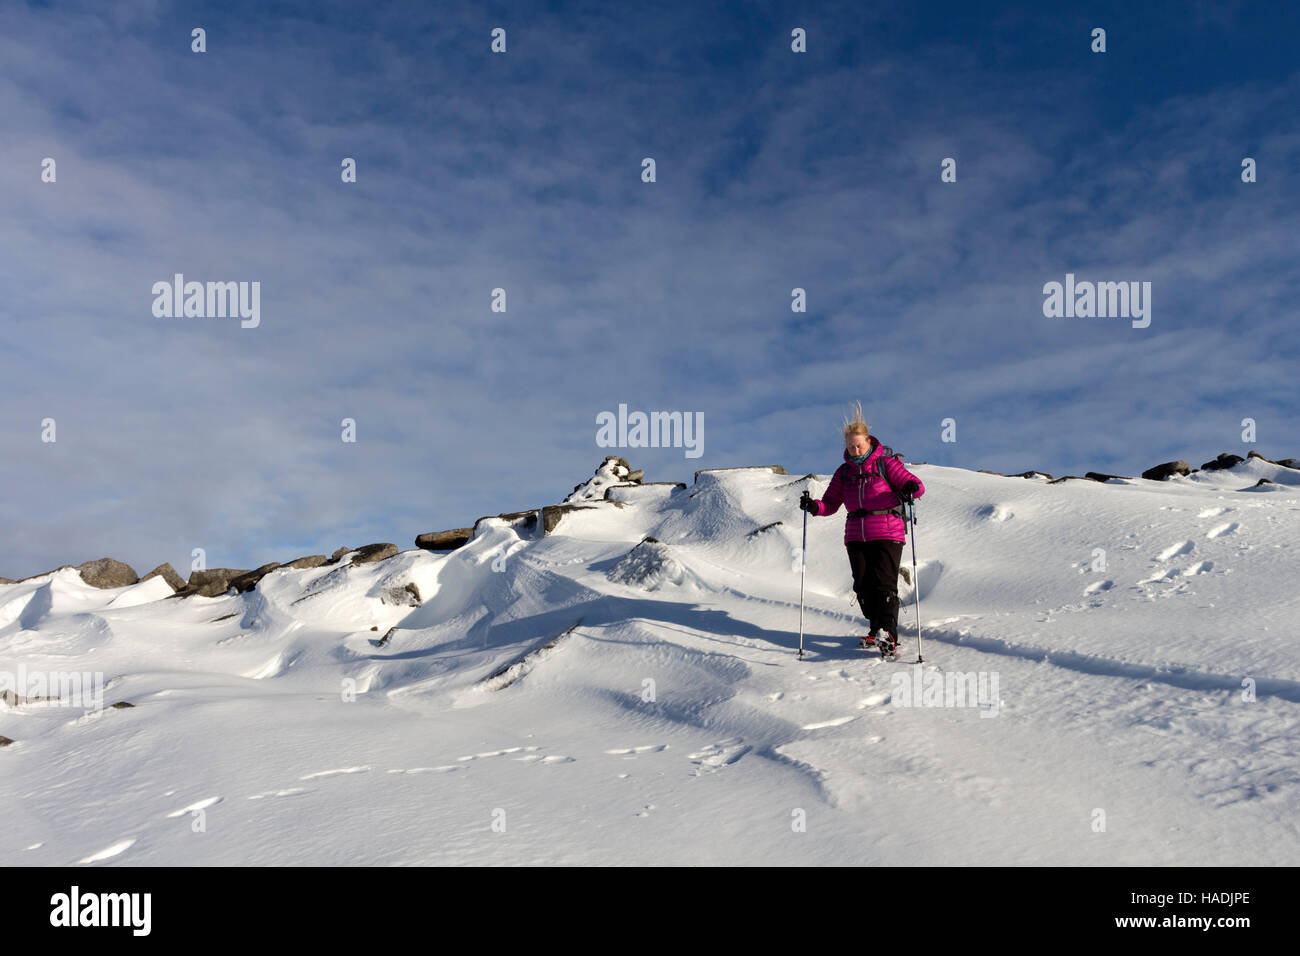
point(857, 425)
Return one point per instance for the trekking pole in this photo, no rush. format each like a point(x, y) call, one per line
point(803, 568)
point(916, 584)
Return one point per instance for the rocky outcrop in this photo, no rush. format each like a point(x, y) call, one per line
point(168, 574)
point(444, 540)
point(407, 596)
point(552, 514)
point(1167, 470)
point(338, 554)
point(527, 520)
point(370, 553)
point(246, 582)
point(309, 561)
point(611, 472)
point(211, 582)
point(108, 573)
point(1023, 474)
point(100, 573)
point(1102, 476)
point(1224, 460)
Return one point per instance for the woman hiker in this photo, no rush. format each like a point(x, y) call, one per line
point(873, 485)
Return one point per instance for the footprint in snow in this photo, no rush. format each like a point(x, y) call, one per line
point(497, 753)
point(875, 700)
point(1219, 531)
point(647, 749)
point(444, 769)
point(332, 773)
point(1096, 586)
point(714, 757)
point(820, 725)
point(200, 805)
point(1183, 547)
point(1213, 512)
point(118, 848)
point(1199, 568)
point(538, 758)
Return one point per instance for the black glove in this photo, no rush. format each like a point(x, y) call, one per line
point(908, 491)
point(807, 503)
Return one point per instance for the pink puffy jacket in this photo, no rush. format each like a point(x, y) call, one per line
point(858, 487)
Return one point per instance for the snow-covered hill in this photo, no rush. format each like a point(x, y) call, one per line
point(591, 696)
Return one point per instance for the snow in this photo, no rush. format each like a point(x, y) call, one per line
point(585, 697)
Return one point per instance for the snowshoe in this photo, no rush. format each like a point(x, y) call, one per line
point(867, 642)
point(888, 645)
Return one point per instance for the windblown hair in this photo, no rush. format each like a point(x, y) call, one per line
point(856, 425)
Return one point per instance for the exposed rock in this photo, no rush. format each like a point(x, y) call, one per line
point(7, 581)
point(309, 561)
point(552, 514)
point(14, 699)
point(338, 554)
point(649, 565)
point(107, 573)
point(1167, 470)
point(122, 705)
point(374, 552)
point(611, 472)
point(212, 582)
point(1057, 481)
point(1224, 460)
point(1264, 481)
point(444, 540)
point(408, 596)
point(1102, 476)
point(5, 741)
point(246, 582)
point(757, 531)
point(905, 573)
point(168, 574)
point(1024, 474)
point(525, 519)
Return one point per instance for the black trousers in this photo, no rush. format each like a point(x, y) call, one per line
point(875, 580)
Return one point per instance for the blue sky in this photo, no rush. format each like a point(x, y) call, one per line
point(522, 171)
